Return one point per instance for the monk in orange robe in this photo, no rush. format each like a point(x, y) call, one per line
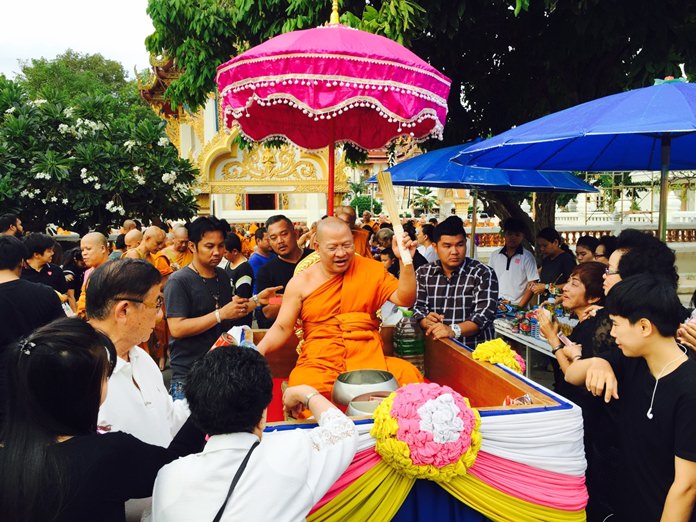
point(337, 299)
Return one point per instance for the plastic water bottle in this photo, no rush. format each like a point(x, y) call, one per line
point(534, 328)
point(409, 341)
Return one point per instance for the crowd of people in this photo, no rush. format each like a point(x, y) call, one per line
point(87, 333)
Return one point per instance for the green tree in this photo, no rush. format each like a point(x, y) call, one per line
point(356, 188)
point(363, 203)
point(82, 166)
point(424, 199)
point(73, 75)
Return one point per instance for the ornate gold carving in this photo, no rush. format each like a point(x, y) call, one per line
point(285, 201)
point(173, 130)
point(203, 204)
point(262, 163)
point(238, 201)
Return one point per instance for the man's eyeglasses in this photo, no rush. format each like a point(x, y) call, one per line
point(597, 256)
point(159, 302)
point(609, 272)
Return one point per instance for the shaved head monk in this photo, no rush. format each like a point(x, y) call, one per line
point(337, 299)
point(133, 239)
point(95, 252)
point(179, 253)
point(361, 237)
point(152, 243)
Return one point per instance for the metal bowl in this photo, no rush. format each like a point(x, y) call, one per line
point(358, 382)
point(366, 404)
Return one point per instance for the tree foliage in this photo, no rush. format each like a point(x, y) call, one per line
point(85, 165)
point(424, 199)
point(72, 75)
point(363, 203)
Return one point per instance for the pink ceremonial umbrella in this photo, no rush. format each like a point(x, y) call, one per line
point(333, 84)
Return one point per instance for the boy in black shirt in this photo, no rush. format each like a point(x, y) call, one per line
point(657, 409)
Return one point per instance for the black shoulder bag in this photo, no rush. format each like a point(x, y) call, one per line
point(242, 466)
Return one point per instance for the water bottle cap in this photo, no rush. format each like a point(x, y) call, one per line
point(406, 312)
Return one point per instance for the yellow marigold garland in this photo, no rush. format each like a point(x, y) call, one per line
point(498, 351)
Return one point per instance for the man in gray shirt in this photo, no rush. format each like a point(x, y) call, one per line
point(199, 303)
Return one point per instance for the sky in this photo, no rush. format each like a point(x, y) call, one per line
point(46, 28)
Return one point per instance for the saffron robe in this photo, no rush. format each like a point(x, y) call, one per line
point(180, 259)
point(341, 329)
point(361, 242)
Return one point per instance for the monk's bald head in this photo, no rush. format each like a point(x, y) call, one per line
point(153, 232)
point(329, 226)
point(94, 247)
point(154, 239)
point(347, 214)
point(133, 238)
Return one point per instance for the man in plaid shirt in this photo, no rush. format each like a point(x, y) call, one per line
point(456, 296)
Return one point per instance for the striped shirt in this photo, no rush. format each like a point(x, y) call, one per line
point(470, 294)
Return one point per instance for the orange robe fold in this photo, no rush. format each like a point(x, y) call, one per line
point(361, 242)
point(341, 329)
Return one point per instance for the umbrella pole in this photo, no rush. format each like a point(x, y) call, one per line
point(332, 154)
point(472, 240)
point(664, 188)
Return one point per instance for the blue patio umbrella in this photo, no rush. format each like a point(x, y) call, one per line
point(653, 128)
point(434, 169)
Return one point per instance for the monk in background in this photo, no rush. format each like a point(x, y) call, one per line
point(179, 253)
point(337, 299)
point(361, 237)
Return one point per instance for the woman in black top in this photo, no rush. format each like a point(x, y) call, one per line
point(558, 261)
point(54, 466)
point(583, 291)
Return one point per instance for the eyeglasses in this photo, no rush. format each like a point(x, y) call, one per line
point(159, 302)
point(597, 256)
point(609, 272)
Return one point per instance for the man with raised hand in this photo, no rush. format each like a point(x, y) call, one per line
point(337, 299)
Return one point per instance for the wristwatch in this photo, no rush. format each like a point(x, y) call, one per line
point(456, 330)
point(255, 298)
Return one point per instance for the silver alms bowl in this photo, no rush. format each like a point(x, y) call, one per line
point(359, 382)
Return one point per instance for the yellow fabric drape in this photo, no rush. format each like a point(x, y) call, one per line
point(377, 495)
point(496, 505)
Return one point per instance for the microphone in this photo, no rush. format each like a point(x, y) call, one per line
point(649, 415)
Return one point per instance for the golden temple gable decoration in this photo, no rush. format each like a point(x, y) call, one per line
point(227, 169)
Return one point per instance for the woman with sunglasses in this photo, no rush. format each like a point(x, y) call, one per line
point(54, 466)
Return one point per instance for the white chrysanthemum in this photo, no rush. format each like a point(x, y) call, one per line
point(163, 141)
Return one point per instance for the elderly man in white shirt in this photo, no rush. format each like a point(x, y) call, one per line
point(288, 472)
point(124, 300)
